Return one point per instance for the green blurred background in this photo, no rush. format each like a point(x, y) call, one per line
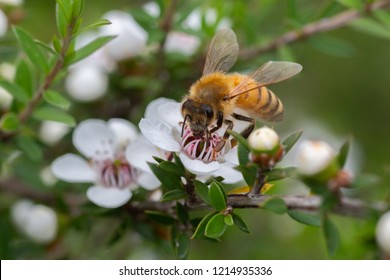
point(344, 88)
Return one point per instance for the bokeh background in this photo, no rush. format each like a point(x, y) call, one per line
point(343, 90)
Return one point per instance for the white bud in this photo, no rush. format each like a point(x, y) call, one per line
point(264, 139)
point(152, 9)
point(87, 83)
point(7, 71)
point(5, 99)
point(52, 132)
point(131, 37)
point(314, 157)
point(383, 232)
point(37, 222)
point(3, 23)
point(181, 43)
point(47, 176)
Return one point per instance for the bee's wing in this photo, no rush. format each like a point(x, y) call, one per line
point(223, 52)
point(269, 73)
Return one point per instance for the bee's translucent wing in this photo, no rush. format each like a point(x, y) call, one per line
point(223, 52)
point(269, 73)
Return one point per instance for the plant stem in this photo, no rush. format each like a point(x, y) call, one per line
point(310, 29)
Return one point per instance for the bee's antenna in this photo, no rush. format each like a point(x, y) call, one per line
point(184, 123)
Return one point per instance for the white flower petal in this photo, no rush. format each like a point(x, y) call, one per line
point(151, 109)
point(159, 134)
point(73, 168)
point(231, 175)
point(148, 181)
point(93, 135)
point(170, 113)
point(108, 197)
point(199, 167)
point(232, 156)
point(141, 151)
point(125, 131)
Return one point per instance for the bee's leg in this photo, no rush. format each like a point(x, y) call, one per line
point(248, 130)
point(219, 122)
point(226, 135)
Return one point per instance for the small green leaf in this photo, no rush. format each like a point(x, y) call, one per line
point(9, 122)
point(343, 152)
point(168, 180)
point(171, 168)
point(100, 22)
point(30, 148)
point(200, 229)
point(240, 223)
point(353, 4)
point(239, 138)
point(281, 173)
point(24, 77)
point(216, 226)
point(332, 46)
point(276, 205)
point(87, 50)
point(78, 6)
point(365, 181)
point(182, 213)
point(371, 27)
point(217, 196)
point(229, 220)
point(290, 141)
point(173, 195)
point(159, 160)
point(248, 171)
point(178, 162)
point(15, 90)
point(202, 191)
point(182, 245)
point(160, 218)
point(51, 114)
point(56, 99)
point(383, 16)
point(305, 218)
point(32, 50)
point(332, 236)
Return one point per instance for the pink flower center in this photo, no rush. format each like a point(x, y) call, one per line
point(201, 148)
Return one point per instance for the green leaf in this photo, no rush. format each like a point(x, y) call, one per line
point(77, 8)
point(200, 229)
point(343, 152)
point(31, 49)
point(202, 191)
point(240, 223)
point(281, 173)
point(276, 205)
point(217, 196)
point(371, 27)
point(63, 16)
point(88, 49)
point(239, 138)
point(182, 213)
point(24, 77)
point(365, 181)
point(178, 162)
point(332, 236)
point(15, 90)
point(382, 16)
point(290, 141)
point(248, 171)
point(332, 46)
point(100, 22)
point(173, 195)
point(182, 246)
point(305, 218)
point(216, 226)
point(157, 159)
point(229, 220)
point(168, 180)
point(30, 148)
point(171, 168)
point(56, 99)
point(51, 114)
point(9, 122)
point(353, 4)
point(160, 218)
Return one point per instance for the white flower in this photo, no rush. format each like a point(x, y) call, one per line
point(5, 99)
point(7, 71)
point(264, 139)
point(51, 132)
point(152, 9)
point(86, 83)
point(181, 42)
point(37, 222)
point(131, 37)
point(314, 156)
point(3, 23)
point(195, 18)
point(162, 126)
point(104, 145)
point(12, 2)
point(383, 232)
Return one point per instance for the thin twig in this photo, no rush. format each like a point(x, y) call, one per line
point(308, 30)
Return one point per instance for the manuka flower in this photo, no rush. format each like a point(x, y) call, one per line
point(104, 145)
point(162, 127)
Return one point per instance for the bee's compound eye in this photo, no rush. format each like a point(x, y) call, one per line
point(208, 110)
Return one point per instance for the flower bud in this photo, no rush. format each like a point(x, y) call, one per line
point(383, 233)
point(315, 157)
point(264, 140)
point(3, 24)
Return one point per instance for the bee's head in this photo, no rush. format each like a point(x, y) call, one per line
point(198, 116)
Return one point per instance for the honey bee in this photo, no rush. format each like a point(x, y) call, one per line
point(211, 100)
